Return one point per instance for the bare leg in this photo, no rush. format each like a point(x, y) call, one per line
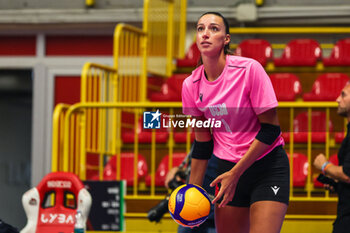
point(230, 219)
point(267, 216)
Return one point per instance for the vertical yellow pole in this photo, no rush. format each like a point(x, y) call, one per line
point(327, 141)
point(183, 22)
point(61, 148)
point(136, 151)
point(71, 143)
point(153, 162)
point(309, 144)
point(170, 40)
point(143, 77)
point(82, 125)
point(84, 77)
point(66, 138)
point(171, 142)
point(77, 158)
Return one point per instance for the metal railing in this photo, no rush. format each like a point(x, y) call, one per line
point(130, 59)
point(103, 139)
point(165, 25)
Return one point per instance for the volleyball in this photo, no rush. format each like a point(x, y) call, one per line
point(189, 205)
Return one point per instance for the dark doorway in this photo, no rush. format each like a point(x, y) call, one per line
point(15, 143)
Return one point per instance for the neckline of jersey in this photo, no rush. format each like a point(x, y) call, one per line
point(220, 76)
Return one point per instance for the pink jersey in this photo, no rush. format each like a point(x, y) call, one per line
point(236, 97)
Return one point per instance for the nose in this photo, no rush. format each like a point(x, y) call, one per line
point(205, 33)
point(338, 99)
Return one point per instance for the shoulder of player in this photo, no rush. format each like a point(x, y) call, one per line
point(194, 77)
point(239, 62)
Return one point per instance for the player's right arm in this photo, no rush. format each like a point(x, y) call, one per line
point(199, 166)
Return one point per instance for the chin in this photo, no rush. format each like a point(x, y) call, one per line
point(342, 112)
point(209, 52)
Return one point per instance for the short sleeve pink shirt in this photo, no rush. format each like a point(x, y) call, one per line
point(236, 98)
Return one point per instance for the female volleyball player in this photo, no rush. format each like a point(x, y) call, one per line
point(253, 171)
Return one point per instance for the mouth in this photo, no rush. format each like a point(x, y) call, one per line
point(205, 43)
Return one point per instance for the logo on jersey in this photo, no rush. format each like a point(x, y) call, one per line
point(275, 189)
point(201, 97)
point(218, 110)
point(151, 120)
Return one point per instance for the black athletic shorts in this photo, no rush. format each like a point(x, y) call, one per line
point(266, 179)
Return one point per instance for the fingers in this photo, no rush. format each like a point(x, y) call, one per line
point(226, 194)
point(329, 187)
point(215, 182)
point(217, 197)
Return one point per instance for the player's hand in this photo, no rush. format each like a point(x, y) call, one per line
point(329, 187)
point(319, 161)
point(228, 183)
point(170, 175)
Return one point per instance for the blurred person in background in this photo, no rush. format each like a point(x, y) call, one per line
point(340, 173)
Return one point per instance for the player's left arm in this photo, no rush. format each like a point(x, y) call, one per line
point(229, 179)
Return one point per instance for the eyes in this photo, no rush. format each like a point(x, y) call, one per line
point(211, 28)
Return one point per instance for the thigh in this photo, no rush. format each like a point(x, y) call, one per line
point(267, 216)
point(273, 175)
point(231, 219)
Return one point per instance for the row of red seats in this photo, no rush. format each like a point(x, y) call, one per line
point(318, 128)
point(326, 87)
point(298, 52)
point(127, 168)
point(300, 169)
point(287, 87)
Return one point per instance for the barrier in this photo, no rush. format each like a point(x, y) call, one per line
point(107, 143)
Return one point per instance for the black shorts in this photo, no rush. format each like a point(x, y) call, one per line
point(265, 180)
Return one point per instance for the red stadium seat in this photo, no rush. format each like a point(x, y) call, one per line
point(339, 55)
point(52, 205)
point(127, 168)
point(92, 162)
point(318, 128)
point(286, 85)
point(171, 89)
point(300, 52)
point(333, 159)
point(163, 169)
point(327, 87)
point(144, 135)
point(181, 137)
point(339, 137)
point(257, 49)
point(191, 58)
point(300, 169)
